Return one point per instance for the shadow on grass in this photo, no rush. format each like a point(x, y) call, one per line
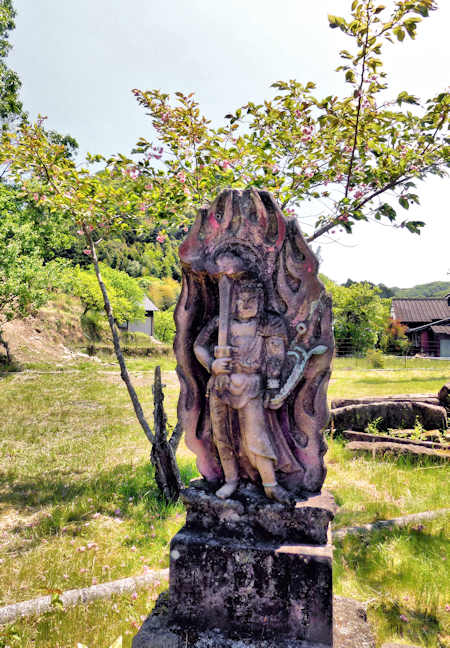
point(403, 572)
point(125, 492)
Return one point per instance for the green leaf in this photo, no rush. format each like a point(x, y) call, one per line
point(379, 9)
point(404, 97)
point(387, 211)
point(404, 202)
point(423, 10)
point(398, 31)
point(350, 76)
point(414, 226)
point(333, 21)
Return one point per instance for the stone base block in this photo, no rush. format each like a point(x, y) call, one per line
point(251, 516)
point(350, 630)
point(261, 590)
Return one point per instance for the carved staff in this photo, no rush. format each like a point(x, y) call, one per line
point(225, 285)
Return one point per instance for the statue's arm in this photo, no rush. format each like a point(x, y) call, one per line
point(203, 344)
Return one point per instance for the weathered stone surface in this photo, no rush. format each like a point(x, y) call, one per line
point(251, 590)
point(350, 630)
point(365, 447)
point(393, 414)
point(351, 435)
point(254, 333)
point(350, 626)
point(251, 516)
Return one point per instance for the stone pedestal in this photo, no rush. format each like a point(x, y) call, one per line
point(350, 630)
point(252, 569)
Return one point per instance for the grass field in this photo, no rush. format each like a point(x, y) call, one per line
point(78, 504)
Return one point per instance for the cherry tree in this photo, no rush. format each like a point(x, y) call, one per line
point(355, 158)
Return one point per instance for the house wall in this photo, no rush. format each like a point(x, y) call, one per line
point(425, 342)
point(444, 343)
point(145, 326)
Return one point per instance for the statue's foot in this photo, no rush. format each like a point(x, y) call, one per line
point(279, 494)
point(228, 489)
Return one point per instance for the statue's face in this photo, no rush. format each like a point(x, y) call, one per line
point(247, 304)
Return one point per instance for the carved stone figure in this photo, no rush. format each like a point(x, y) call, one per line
point(254, 345)
point(252, 565)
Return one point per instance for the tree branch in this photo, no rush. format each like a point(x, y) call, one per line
point(358, 111)
point(118, 351)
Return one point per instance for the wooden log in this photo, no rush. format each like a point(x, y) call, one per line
point(352, 435)
point(338, 534)
point(444, 396)
point(383, 448)
point(430, 399)
point(395, 415)
point(84, 595)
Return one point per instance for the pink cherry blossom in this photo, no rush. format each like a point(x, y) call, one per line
point(87, 251)
point(181, 177)
point(404, 618)
point(36, 197)
point(134, 596)
point(161, 238)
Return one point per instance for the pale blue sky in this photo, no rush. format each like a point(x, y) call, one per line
point(79, 60)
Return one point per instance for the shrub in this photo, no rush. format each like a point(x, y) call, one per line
point(375, 358)
point(165, 326)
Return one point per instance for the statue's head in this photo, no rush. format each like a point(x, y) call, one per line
point(248, 299)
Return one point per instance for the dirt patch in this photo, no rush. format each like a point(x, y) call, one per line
point(49, 335)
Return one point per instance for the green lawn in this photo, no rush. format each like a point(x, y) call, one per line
point(78, 504)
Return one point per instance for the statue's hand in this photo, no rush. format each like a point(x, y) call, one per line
point(268, 395)
point(221, 366)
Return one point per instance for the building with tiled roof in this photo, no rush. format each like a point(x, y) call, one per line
point(142, 326)
point(428, 322)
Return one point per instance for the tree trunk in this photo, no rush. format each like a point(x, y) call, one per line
point(116, 342)
point(162, 456)
point(167, 475)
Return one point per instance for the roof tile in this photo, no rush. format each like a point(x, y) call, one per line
point(420, 310)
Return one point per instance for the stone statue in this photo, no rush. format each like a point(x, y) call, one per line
point(254, 345)
point(245, 375)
